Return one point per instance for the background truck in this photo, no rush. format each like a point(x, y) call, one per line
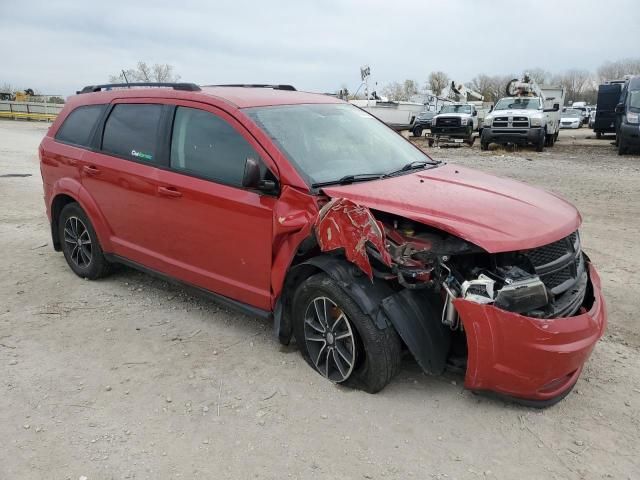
point(530, 114)
point(457, 120)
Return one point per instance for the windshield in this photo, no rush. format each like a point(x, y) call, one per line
point(517, 104)
point(634, 100)
point(572, 113)
point(456, 109)
point(327, 142)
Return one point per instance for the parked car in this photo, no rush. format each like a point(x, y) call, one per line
point(592, 117)
point(571, 118)
point(422, 122)
point(307, 211)
point(628, 116)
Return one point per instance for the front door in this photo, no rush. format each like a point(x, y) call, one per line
point(216, 234)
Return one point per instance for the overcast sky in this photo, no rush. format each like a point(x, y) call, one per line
point(56, 47)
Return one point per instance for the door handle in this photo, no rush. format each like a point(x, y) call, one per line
point(169, 192)
point(90, 170)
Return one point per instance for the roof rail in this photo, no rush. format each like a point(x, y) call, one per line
point(257, 85)
point(189, 87)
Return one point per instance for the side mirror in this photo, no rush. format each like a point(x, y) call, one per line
point(475, 113)
point(620, 108)
point(251, 177)
point(491, 109)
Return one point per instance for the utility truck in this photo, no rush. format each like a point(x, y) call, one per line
point(529, 114)
point(457, 121)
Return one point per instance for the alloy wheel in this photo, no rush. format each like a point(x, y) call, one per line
point(78, 242)
point(329, 339)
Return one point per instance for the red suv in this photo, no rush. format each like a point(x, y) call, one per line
point(306, 210)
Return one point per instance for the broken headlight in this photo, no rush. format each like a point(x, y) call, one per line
point(522, 296)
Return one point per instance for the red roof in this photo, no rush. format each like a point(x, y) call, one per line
point(244, 97)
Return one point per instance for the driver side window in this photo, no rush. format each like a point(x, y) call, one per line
point(205, 145)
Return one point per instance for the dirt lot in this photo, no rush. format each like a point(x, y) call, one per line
point(129, 377)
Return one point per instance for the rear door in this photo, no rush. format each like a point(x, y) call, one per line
point(122, 177)
point(216, 234)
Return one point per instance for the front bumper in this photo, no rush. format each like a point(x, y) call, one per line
point(525, 358)
point(569, 125)
point(462, 131)
point(520, 136)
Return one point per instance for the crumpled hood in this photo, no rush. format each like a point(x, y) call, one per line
point(496, 214)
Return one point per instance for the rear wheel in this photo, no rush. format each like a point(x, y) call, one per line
point(339, 341)
point(80, 244)
point(598, 134)
point(550, 140)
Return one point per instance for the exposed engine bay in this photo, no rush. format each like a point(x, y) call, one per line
point(545, 282)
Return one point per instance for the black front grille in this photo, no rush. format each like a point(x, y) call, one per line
point(559, 264)
point(501, 122)
point(448, 121)
point(547, 254)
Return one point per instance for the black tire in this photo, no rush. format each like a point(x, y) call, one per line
point(540, 143)
point(555, 137)
point(417, 132)
point(484, 145)
point(549, 140)
point(430, 142)
point(598, 134)
point(622, 146)
point(376, 356)
point(80, 244)
point(470, 138)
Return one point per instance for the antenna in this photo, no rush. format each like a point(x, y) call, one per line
point(126, 80)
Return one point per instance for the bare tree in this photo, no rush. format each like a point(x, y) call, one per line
point(618, 69)
point(575, 82)
point(437, 82)
point(539, 75)
point(145, 73)
point(491, 86)
point(393, 91)
point(410, 88)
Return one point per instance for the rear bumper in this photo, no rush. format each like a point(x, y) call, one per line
point(511, 135)
point(536, 360)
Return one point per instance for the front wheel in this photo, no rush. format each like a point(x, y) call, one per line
point(622, 146)
point(339, 341)
point(80, 244)
point(540, 143)
point(417, 132)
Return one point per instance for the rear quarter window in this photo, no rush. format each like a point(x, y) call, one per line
point(131, 131)
point(78, 126)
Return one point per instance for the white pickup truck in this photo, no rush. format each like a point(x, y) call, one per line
point(456, 120)
point(532, 116)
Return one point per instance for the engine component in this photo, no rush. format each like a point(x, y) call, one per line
point(479, 290)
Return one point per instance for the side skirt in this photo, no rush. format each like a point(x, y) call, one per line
point(221, 299)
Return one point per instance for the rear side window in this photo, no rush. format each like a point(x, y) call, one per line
point(131, 131)
point(78, 125)
point(207, 146)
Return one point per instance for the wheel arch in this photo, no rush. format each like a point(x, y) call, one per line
point(68, 191)
point(367, 294)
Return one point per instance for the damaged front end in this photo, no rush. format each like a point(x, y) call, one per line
point(519, 323)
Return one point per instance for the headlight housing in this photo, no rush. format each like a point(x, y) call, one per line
point(464, 121)
point(536, 121)
point(487, 122)
point(632, 117)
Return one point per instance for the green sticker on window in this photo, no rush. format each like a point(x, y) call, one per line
point(142, 155)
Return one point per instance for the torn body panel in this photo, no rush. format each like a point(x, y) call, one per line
point(530, 358)
point(343, 224)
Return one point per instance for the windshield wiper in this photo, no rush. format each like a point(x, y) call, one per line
point(359, 177)
point(416, 164)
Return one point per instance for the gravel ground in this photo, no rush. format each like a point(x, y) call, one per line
point(129, 377)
